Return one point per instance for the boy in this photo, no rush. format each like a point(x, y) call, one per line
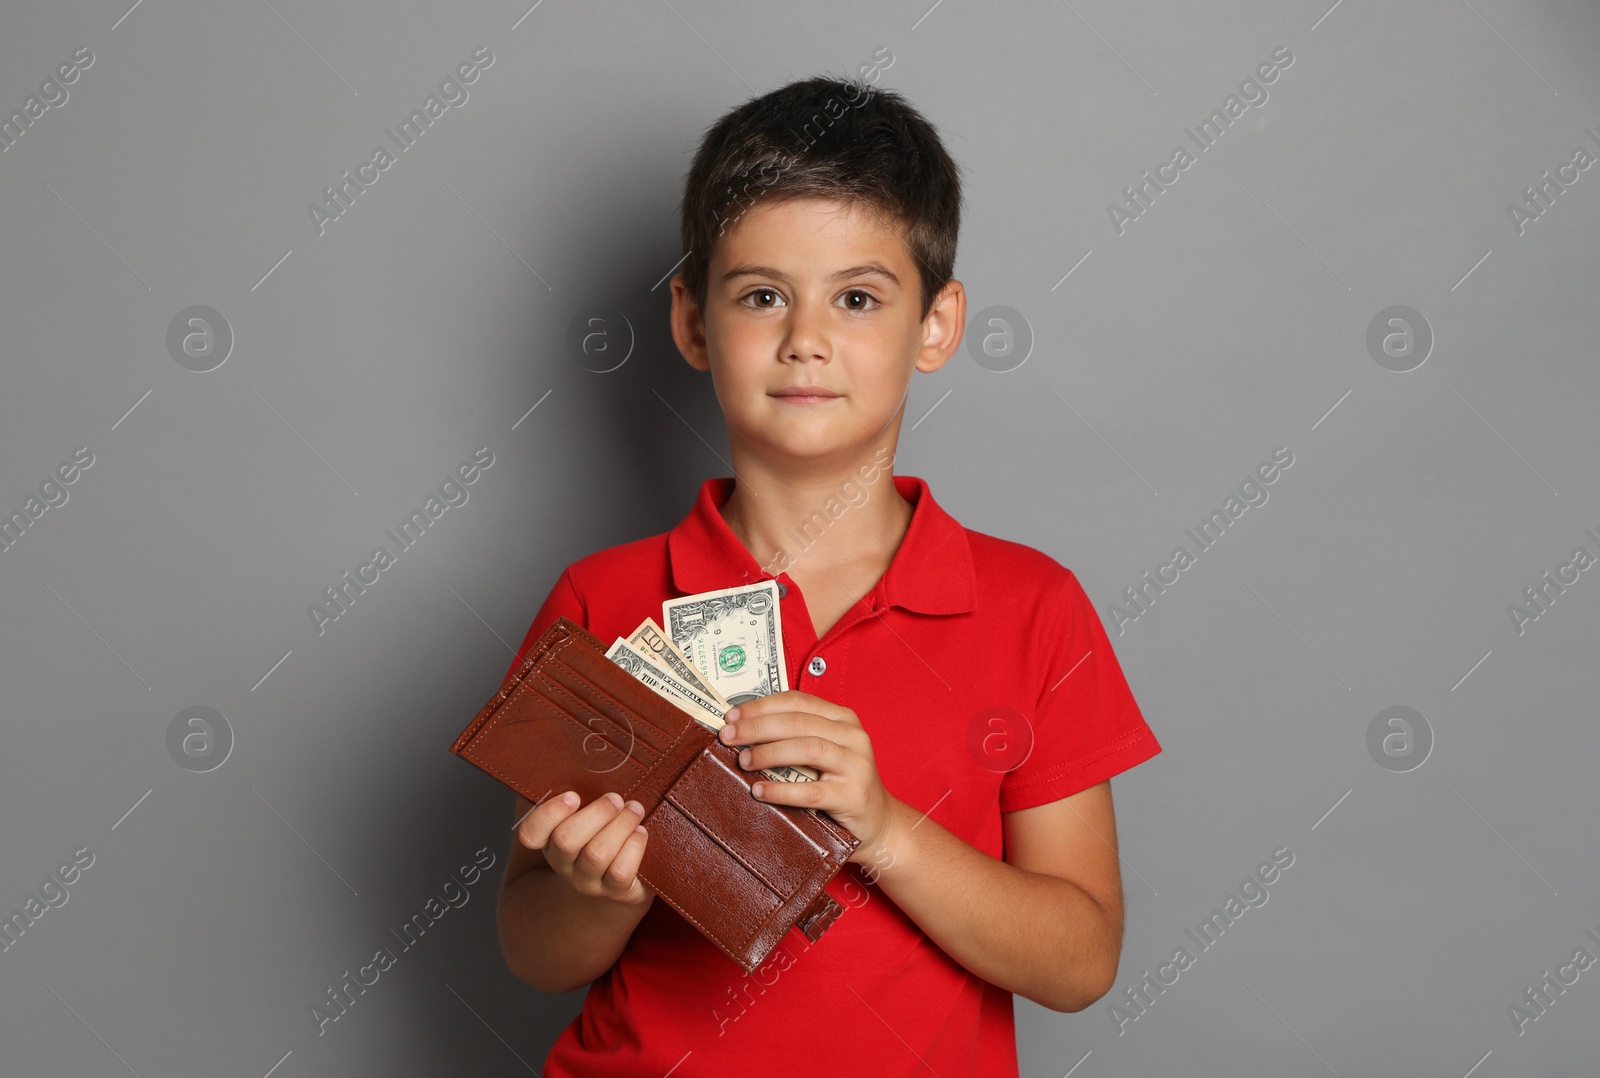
point(956, 691)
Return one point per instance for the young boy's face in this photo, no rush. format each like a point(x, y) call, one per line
point(814, 292)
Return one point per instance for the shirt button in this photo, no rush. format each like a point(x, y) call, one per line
point(783, 589)
point(817, 666)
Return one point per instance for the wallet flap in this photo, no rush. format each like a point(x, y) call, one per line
point(740, 869)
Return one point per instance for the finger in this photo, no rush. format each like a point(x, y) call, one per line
point(828, 744)
point(819, 752)
point(571, 834)
point(791, 700)
point(533, 831)
point(772, 725)
point(821, 794)
point(788, 700)
point(590, 866)
point(623, 871)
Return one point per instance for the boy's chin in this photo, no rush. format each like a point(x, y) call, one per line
point(817, 449)
point(816, 433)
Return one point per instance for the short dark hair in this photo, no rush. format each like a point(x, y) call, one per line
point(831, 138)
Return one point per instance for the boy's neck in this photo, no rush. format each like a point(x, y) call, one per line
point(784, 519)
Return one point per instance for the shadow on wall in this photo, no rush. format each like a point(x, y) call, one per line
point(633, 451)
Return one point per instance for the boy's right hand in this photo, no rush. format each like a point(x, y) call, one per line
point(596, 848)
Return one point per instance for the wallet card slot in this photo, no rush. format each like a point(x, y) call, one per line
point(591, 687)
point(525, 753)
point(593, 709)
point(622, 736)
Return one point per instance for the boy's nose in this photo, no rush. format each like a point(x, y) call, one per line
point(806, 338)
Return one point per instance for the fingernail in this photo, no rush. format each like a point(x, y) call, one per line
point(570, 798)
point(756, 789)
point(641, 831)
point(636, 807)
point(733, 713)
point(728, 733)
point(744, 757)
point(615, 798)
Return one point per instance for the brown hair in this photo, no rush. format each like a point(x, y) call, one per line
point(831, 138)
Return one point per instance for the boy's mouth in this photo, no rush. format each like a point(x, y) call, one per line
point(805, 394)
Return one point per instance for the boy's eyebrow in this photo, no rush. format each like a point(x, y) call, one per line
point(866, 269)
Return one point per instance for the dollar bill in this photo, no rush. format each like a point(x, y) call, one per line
point(667, 685)
point(733, 637)
point(652, 641)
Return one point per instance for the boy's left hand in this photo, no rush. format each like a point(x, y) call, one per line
point(795, 727)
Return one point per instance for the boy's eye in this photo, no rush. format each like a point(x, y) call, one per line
point(855, 299)
point(763, 292)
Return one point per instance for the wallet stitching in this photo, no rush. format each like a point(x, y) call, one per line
point(590, 682)
point(719, 936)
point(711, 832)
point(499, 714)
point(709, 932)
point(578, 700)
point(805, 895)
point(623, 705)
point(840, 832)
point(829, 913)
point(809, 894)
point(535, 658)
point(665, 755)
point(540, 675)
point(528, 687)
point(713, 934)
point(557, 687)
point(507, 779)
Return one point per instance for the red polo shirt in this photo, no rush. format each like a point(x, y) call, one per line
point(987, 684)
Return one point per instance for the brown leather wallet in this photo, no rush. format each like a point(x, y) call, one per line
point(741, 870)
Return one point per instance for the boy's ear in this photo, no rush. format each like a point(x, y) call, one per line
point(688, 326)
point(943, 328)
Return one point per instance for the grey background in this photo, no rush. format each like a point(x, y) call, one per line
point(371, 360)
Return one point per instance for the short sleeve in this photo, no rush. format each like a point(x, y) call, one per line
point(563, 600)
point(1086, 725)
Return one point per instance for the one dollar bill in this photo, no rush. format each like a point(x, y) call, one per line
point(733, 637)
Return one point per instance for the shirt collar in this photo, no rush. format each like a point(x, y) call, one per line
point(931, 572)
